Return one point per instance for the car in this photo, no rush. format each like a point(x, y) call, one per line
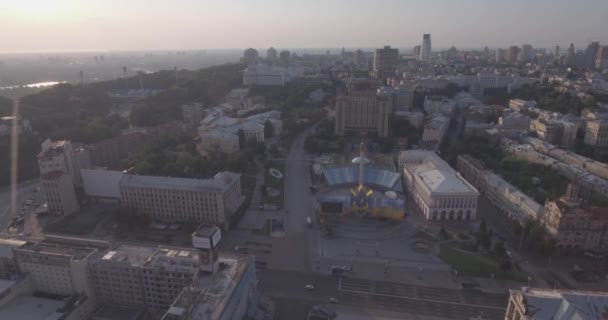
point(309, 287)
point(509, 254)
point(333, 300)
point(261, 207)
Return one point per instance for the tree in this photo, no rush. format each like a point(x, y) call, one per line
point(268, 129)
point(499, 250)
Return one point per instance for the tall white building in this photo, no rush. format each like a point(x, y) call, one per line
point(64, 156)
point(439, 191)
point(425, 50)
point(59, 193)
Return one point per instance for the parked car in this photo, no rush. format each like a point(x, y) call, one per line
point(333, 300)
point(309, 287)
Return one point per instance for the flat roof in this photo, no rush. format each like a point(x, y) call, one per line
point(564, 304)
point(32, 308)
point(210, 293)
point(74, 252)
point(435, 173)
point(135, 255)
point(218, 183)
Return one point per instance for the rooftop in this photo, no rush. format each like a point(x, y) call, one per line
point(205, 231)
point(178, 258)
point(563, 304)
point(218, 183)
point(207, 298)
point(73, 252)
point(135, 255)
point(435, 173)
point(32, 308)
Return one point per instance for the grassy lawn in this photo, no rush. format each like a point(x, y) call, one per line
point(425, 236)
point(477, 265)
point(272, 182)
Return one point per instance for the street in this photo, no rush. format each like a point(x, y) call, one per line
point(25, 192)
point(288, 288)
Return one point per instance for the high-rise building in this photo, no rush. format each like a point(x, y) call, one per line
point(486, 52)
point(64, 156)
point(183, 200)
point(59, 193)
point(285, 57)
point(591, 54)
point(512, 54)
point(557, 51)
point(425, 50)
point(271, 54)
point(362, 111)
point(250, 56)
point(601, 61)
point(571, 55)
point(416, 51)
point(385, 62)
point(452, 52)
point(526, 53)
point(500, 54)
point(360, 59)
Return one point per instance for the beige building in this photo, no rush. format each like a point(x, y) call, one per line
point(8, 265)
point(574, 224)
point(439, 191)
point(546, 130)
point(60, 194)
point(59, 269)
point(596, 133)
point(541, 304)
point(385, 62)
point(169, 199)
point(362, 111)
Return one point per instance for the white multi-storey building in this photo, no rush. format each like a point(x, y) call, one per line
point(59, 193)
point(183, 200)
point(438, 190)
point(65, 157)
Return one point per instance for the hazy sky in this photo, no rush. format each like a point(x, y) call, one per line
point(91, 25)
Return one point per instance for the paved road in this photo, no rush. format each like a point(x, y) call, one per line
point(288, 288)
point(25, 192)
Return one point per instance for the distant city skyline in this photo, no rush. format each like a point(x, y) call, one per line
point(95, 25)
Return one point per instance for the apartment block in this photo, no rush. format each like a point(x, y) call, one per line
point(193, 114)
point(385, 62)
point(596, 133)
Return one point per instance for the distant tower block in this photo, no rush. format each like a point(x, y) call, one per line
point(206, 239)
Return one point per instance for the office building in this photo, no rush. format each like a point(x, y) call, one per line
point(591, 54)
point(425, 49)
point(59, 270)
point(362, 111)
point(571, 56)
point(512, 54)
point(385, 62)
point(402, 98)
point(8, 265)
point(575, 224)
point(526, 54)
point(501, 55)
point(547, 130)
point(438, 104)
point(64, 156)
point(537, 304)
point(601, 60)
point(250, 56)
point(439, 192)
point(435, 128)
point(193, 114)
point(228, 294)
point(556, 51)
point(285, 57)
point(596, 133)
point(169, 199)
point(272, 54)
point(416, 51)
point(360, 59)
point(59, 193)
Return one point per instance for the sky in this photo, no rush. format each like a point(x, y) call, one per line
point(100, 25)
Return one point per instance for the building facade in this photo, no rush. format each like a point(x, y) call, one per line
point(183, 200)
point(385, 62)
point(596, 133)
point(536, 304)
point(425, 49)
point(250, 56)
point(193, 114)
point(574, 224)
point(439, 192)
point(362, 111)
point(59, 193)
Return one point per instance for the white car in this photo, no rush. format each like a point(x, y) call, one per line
point(309, 287)
point(333, 300)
